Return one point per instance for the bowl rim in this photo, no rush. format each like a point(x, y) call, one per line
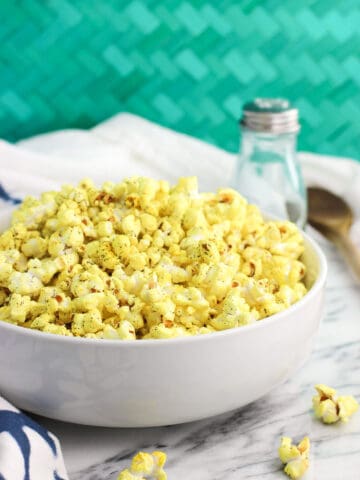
point(148, 343)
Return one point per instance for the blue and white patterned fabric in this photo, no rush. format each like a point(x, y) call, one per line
point(6, 197)
point(27, 450)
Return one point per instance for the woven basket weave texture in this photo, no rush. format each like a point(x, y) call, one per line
point(189, 65)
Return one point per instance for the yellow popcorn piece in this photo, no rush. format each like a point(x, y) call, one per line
point(347, 407)
point(25, 283)
point(331, 408)
point(44, 269)
point(146, 466)
point(145, 260)
point(42, 321)
point(126, 330)
point(142, 463)
point(105, 229)
point(127, 475)
point(295, 457)
point(34, 247)
point(20, 306)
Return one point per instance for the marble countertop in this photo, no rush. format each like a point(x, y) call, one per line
point(243, 444)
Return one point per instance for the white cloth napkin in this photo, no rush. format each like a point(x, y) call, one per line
point(123, 146)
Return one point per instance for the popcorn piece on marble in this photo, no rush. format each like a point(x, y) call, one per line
point(295, 457)
point(331, 408)
point(146, 466)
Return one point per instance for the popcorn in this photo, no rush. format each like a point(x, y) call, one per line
point(73, 237)
point(44, 269)
point(141, 260)
point(42, 321)
point(146, 466)
point(19, 307)
point(295, 458)
point(126, 330)
point(35, 247)
point(24, 283)
point(331, 408)
point(105, 229)
point(235, 312)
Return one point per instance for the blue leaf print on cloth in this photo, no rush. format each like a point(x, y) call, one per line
point(4, 195)
point(13, 423)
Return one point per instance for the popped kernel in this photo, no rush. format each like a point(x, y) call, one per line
point(141, 260)
point(146, 466)
point(295, 457)
point(19, 307)
point(331, 408)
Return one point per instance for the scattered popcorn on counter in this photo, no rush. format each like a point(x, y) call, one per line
point(143, 260)
point(331, 408)
point(295, 458)
point(146, 466)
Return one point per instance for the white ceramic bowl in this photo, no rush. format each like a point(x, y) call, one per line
point(160, 382)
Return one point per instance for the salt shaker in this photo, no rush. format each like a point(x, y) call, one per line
point(268, 173)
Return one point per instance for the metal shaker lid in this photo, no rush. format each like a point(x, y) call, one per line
point(270, 115)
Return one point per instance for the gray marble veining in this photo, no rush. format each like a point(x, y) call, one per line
point(243, 444)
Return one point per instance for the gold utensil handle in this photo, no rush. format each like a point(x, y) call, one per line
point(349, 250)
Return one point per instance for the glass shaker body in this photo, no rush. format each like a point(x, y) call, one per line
point(269, 175)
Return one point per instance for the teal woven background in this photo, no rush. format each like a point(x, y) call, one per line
point(189, 65)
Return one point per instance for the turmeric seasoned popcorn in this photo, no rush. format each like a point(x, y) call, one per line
point(144, 260)
point(295, 458)
point(331, 408)
point(146, 466)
